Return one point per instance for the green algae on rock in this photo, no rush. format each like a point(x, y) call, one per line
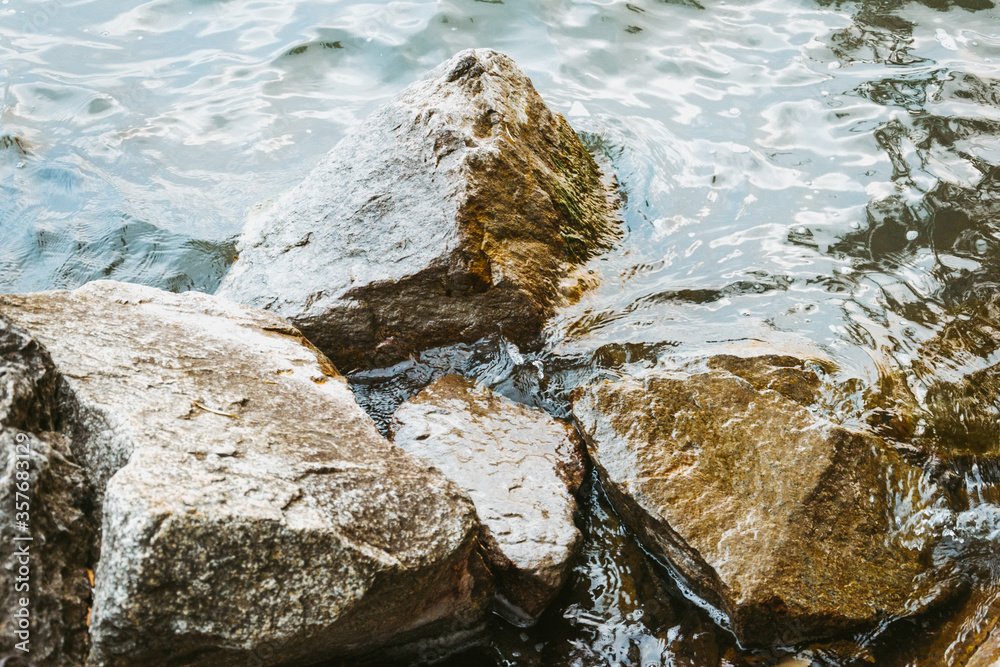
point(456, 210)
point(789, 525)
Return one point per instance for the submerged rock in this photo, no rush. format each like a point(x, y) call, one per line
point(790, 376)
point(521, 468)
point(791, 526)
point(44, 526)
point(965, 414)
point(944, 396)
point(252, 514)
point(961, 403)
point(953, 635)
point(454, 211)
point(987, 654)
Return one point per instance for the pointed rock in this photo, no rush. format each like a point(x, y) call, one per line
point(454, 211)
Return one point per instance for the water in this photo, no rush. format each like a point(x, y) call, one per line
point(801, 173)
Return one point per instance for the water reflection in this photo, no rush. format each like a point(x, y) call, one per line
point(617, 609)
point(796, 174)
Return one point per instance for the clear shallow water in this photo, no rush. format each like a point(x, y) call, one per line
point(787, 167)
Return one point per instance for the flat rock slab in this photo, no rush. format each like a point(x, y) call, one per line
point(46, 532)
point(454, 211)
point(252, 514)
point(791, 526)
point(521, 468)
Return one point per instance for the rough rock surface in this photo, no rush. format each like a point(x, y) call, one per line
point(789, 525)
point(455, 210)
point(252, 514)
point(521, 468)
point(45, 561)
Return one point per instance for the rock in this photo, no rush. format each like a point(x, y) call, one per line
point(44, 528)
point(456, 210)
point(958, 367)
point(29, 383)
point(965, 414)
point(789, 525)
point(953, 634)
point(946, 401)
point(988, 653)
point(521, 468)
point(961, 400)
point(790, 376)
point(14, 144)
point(252, 514)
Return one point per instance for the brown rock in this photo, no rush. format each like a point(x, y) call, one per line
point(965, 414)
point(791, 526)
point(454, 211)
point(988, 653)
point(792, 377)
point(961, 404)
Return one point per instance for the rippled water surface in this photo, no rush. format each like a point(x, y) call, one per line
point(797, 173)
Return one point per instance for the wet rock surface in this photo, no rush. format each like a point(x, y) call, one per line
point(44, 526)
point(765, 509)
point(235, 528)
point(965, 414)
point(521, 468)
point(961, 403)
point(792, 377)
point(617, 606)
point(454, 211)
point(964, 629)
point(988, 653)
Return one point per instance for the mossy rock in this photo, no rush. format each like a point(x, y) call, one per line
point(456, 210)
point(793, 527)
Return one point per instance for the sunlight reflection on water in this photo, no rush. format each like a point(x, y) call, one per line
point(785, 164)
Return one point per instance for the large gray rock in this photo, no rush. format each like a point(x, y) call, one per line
point(521, 468)
point(46, 533)
point(791, 526)
point(252, 514)
point(454, 211)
